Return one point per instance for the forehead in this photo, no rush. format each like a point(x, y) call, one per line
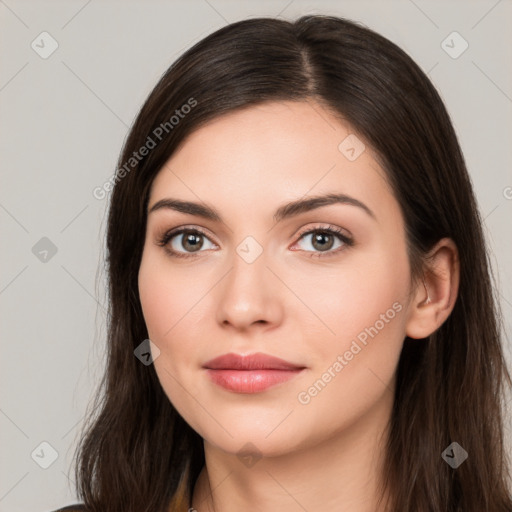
point(273, 152)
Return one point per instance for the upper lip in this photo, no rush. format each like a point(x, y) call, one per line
point(256, 361)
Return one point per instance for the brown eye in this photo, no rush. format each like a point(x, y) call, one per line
point(322, 241)
point(191, 241)
point(326, 240)
point(184, 242)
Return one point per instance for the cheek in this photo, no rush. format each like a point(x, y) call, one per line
point(175, 304)
point(166, 296)
point(354, 369)
point(365, 313)
point(168, 308)
point(367, 288)
point(155, 300)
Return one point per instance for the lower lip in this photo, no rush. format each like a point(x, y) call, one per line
point(250, 381)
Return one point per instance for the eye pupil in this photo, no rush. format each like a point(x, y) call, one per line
point(320, 238)
point(192, 240)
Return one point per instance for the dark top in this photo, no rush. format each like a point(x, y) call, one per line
point(79, 507)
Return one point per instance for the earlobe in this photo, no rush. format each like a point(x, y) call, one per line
point(434, 298)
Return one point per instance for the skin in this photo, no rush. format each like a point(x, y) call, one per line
point(325, 454)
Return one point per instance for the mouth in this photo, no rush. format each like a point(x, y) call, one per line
point(250, 374)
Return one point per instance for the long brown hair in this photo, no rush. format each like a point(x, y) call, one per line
point(136, 452)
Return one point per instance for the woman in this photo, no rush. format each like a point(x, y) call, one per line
point(302, 313)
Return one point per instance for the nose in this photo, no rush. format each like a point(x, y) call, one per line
point(250, 294)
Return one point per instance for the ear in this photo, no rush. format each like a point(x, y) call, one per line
point(434, 296)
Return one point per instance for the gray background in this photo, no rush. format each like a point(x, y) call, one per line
point(63, 121)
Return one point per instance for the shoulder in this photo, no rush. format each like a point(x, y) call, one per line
point(79, 507)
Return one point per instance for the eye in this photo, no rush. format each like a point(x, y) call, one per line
point(323, 239)
point(190, 239)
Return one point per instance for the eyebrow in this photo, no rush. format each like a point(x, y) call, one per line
point(283, 212)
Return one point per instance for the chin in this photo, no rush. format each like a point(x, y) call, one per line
point(252, 444)
point(250, 434)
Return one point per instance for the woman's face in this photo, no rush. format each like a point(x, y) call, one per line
point(255, 279)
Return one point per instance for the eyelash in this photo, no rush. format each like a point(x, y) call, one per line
point(331, 230)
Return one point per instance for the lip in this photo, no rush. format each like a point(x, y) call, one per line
point(257, 361)
point(251, 373)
